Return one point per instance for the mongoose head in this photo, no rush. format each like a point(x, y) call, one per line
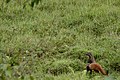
point(91, 57)
point(89, 54)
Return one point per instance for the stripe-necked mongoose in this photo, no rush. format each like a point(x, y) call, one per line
point(94, 66)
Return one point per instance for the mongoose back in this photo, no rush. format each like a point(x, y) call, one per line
point(97, 68)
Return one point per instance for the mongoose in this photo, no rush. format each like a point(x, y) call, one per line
point(94, 66)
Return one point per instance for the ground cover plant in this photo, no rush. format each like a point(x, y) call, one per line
point(48, 39)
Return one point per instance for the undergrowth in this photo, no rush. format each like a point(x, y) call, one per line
point(49, 41)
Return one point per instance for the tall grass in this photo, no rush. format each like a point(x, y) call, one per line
point(49, 42)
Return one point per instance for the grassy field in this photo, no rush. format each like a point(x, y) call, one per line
point(49, 42)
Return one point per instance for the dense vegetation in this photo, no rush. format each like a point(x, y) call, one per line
point(48, 41)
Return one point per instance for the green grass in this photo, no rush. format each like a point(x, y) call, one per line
point(49, 42)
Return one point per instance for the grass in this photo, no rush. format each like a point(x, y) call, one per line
point(49, 42)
